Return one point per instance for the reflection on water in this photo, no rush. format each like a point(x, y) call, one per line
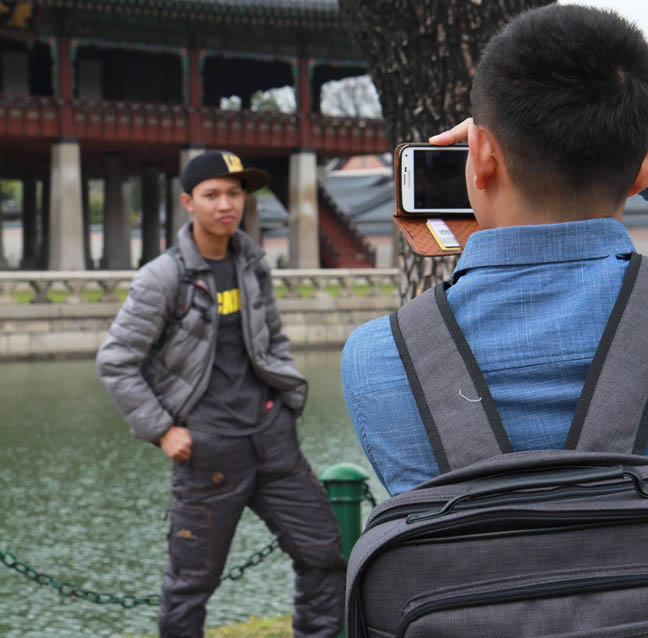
point(84, 501)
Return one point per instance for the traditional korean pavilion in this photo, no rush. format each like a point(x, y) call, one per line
point(115, 89)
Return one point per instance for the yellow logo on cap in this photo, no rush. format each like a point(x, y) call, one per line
point(233, 162)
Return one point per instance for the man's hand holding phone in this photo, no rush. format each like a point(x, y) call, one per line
point(431, 176)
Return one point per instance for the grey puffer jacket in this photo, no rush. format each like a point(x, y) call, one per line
point(156, 382)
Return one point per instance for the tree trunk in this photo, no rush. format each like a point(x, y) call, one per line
point(422, 56)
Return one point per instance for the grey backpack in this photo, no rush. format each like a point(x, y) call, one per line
point(510, 544)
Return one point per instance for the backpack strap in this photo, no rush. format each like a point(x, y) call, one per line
point(186, 284)
point(450, 391)
point(184, 295)
point(612, 412)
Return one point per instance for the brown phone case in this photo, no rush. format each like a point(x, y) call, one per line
point(416, 232)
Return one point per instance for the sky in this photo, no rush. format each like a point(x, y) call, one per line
point(635, 10)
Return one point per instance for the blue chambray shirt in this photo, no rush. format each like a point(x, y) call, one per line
point(532, 302)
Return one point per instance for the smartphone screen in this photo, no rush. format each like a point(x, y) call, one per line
point(433, 179)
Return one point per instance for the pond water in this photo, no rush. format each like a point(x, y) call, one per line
point(83, 501)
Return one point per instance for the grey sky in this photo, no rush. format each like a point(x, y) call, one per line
point(635, 10)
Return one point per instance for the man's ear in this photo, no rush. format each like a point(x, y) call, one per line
point(641, 181)
point(482, 155)
point(186, 201)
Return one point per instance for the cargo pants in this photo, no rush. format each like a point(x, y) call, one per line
point(267, 472)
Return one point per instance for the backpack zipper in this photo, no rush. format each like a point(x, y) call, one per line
point(452, 530)
point(417, 512)
point(526, 592)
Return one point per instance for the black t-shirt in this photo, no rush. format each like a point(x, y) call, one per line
point(236, 401)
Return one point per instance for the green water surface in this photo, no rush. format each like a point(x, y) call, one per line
point(84, 501)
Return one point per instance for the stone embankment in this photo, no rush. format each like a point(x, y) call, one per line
point(319, 308)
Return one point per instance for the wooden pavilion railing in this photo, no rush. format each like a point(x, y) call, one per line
point(116, 121)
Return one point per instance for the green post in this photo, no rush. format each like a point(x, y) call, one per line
point(345, 486)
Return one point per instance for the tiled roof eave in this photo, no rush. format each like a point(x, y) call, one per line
point(200, 10)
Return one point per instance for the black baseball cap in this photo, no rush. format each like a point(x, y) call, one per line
point(220, 163)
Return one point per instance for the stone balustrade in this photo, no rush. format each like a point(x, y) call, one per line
point(319, 307)
point(72, 282)
point(292, 280)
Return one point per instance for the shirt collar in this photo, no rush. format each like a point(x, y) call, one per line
point(545, 243)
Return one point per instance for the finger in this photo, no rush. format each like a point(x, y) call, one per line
point(458, 133)
point(181, 455)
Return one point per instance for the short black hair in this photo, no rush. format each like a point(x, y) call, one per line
point(564, 90)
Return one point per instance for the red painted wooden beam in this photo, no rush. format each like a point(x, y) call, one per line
point(66, 88)
point(156, 125)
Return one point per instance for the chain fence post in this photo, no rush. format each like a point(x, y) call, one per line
point(345, 485)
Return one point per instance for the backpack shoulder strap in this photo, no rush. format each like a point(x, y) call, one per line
point(612, 412)
point(183, 296)
point(186, 284)
point(450, 391)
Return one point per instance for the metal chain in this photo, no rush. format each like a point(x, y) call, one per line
point(255, 559)
point(128, 601)
point(71, 591)
point(368, 496)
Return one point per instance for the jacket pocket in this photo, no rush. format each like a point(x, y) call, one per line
point(189, 538)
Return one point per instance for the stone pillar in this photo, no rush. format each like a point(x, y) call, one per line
point(43, 257)
point(85, 202)
point(150, 213)
point(3, 261)
point(180, 215)
point(116, 225)
point(322, 174)
point(251, 222)
point(127, 203)
point(303, 213)
point(66, 215)
point(29, 224)
point(169, 238)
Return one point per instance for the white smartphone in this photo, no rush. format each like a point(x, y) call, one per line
point(432, 179)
